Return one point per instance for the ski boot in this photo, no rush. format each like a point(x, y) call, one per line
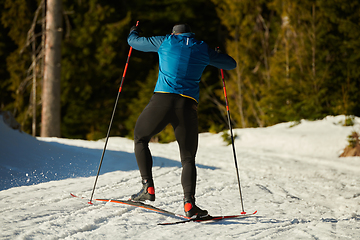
point(191, 210)
point(146, 193)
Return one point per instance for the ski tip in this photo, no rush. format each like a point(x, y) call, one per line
point(243, 213)
point(73, 195)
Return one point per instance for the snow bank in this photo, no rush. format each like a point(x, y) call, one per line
point(25, 160)
point(322, 138)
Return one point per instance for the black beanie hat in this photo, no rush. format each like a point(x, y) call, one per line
point(181, 28)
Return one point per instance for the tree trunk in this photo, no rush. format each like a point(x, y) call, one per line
point(34, 88)
point(50, 119)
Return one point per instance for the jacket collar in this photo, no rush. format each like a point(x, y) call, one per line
point(189, 34)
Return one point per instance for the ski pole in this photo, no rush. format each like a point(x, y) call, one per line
point(232, 140)
point(111, 120)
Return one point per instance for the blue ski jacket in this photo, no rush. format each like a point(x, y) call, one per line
point(182, 60)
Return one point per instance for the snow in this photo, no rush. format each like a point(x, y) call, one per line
point(290, 173)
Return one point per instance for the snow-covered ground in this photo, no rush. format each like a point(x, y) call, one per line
point(291, 175)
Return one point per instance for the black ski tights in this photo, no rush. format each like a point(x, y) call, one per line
point(181, 113)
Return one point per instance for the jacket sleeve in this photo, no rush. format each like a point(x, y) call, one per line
point(145, 44)
point(220, 60)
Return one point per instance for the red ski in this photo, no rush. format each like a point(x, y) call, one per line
point(138, 204)
point(210, 218)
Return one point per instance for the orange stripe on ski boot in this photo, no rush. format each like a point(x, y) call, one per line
point(187, 207)
point(151, 190)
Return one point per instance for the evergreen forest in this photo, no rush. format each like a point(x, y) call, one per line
point(296, 60)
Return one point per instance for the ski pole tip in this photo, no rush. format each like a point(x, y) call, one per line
point(243, 212)
point(89, 202)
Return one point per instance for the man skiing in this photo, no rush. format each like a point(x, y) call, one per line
point(182, 60)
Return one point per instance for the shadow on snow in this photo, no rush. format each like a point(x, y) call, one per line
point(38, 161)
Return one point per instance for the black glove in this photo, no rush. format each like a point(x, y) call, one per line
point(135, 28)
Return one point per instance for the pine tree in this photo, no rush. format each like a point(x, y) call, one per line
point(248, 24)
point(341, 46)
point(296, 59)
point(16, 18)
point(94, 55)
point(6, 47)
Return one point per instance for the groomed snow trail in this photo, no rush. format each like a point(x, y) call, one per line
point(298, 193)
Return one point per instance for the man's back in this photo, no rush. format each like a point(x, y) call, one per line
point(182, 56)
point(182, 60)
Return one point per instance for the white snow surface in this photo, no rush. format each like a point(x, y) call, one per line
point(291, 174)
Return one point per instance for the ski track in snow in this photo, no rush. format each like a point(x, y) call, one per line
point(298, 194)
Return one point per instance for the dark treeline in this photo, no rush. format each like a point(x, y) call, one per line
point(296, 59)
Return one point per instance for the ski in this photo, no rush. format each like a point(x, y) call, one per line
point(209, 218)
point(140, 205)
point(184, 219)
point(144, 206)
